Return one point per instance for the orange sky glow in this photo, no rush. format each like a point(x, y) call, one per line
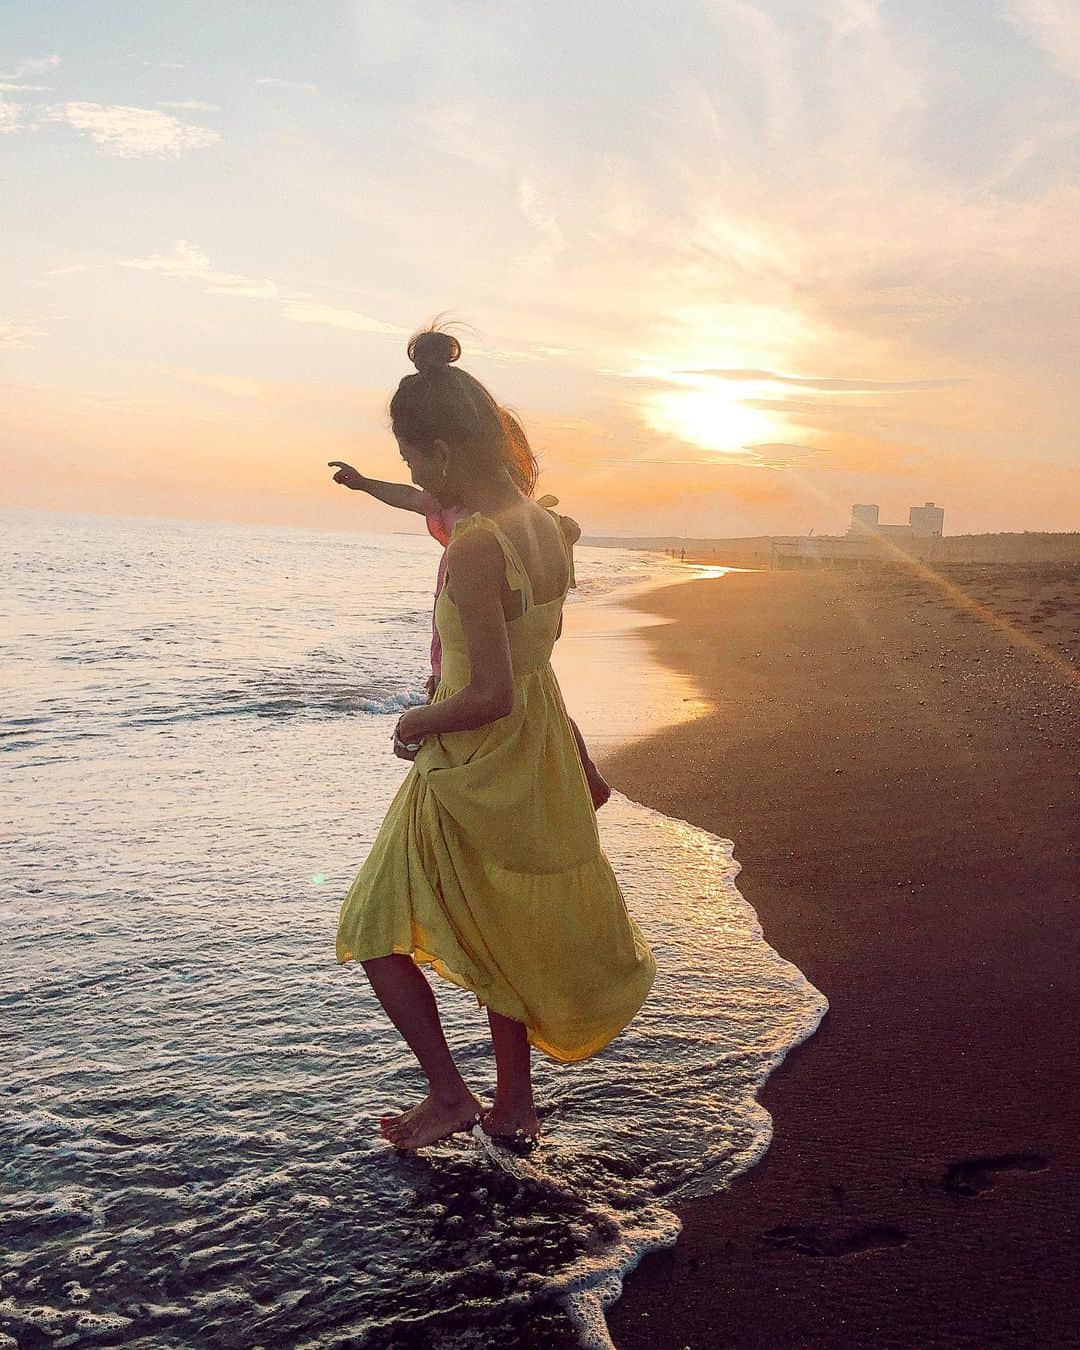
point(734, 273)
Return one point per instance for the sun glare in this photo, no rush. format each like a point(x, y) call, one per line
point(711, 418)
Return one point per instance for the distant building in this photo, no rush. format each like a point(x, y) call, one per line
point(924, 522)
point(927, 520)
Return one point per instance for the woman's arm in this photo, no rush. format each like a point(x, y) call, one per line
point(402, 495)
point(476, 571)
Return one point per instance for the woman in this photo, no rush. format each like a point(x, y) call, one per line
point(488, 865)
point(440, 520)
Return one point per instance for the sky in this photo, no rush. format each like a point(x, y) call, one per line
point(736, 265)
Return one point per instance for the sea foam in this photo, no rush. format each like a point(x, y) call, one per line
point(190, 1137)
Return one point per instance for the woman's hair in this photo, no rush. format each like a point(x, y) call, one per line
point(444, 404)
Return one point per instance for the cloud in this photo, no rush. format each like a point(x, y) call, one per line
point(189, 263)
point(301, 401)
point(13, 82)
point(812, 407)
point(822, 382)
point(1053, 26)
point(763, 46)
point(189, 105)
point(15, 335)
point(33, 65)
point(718, 459)
point(759, 455)
point(10, 116)
point(134, 133)
point(780, 455)
point(469, 129)
point(68, 271)
point(848, 16)
point(482, 133)
point(465, 39)
point(271, 82)
point(538, 212)
point(831, 83)
point(310, 311)
point(237, 386)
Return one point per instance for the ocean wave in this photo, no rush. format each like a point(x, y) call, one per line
point(202, 1161)
point(188, 1144)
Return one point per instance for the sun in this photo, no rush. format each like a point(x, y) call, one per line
point(712, 418)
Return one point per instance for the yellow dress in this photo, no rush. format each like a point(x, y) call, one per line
point(488, 866)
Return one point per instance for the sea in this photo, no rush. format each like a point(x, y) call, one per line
point(195, 736)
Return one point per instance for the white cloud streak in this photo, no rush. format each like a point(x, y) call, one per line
point(13, 82)
point(309, 311)
point(781, 455)
point(33, 65)
point(189, 105)
point(271, 82)
point(134, 133)
point(236, 386)
point(10, 116)
point(15, 335)
point(766, 49)
point(190, 264)
point(1054, 27)
point(822, 382)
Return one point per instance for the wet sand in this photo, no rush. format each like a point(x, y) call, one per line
point(896, 758)
point(611, 692)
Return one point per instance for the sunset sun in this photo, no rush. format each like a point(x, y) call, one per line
point(711, 418)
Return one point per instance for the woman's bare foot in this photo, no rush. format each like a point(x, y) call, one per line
point(599, 787)
point(501, 1122)
point(432, 1119)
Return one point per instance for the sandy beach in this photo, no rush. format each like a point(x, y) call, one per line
point(896, 758)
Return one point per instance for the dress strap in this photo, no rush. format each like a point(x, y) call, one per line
point(517, 577)
point(569, 533)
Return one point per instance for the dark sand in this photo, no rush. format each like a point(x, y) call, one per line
point(900, 777)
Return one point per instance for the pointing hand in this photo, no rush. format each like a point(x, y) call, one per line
point(346, 475)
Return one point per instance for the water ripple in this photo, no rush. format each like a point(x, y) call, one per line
point(188, 1141)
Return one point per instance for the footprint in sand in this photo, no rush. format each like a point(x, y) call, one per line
point(834, 1242)
point(972, 1176)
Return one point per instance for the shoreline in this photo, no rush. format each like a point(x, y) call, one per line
point(615, 687)
point(896, 762)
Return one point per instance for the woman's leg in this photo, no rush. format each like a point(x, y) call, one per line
point(513, 1109)
point(409, 1003)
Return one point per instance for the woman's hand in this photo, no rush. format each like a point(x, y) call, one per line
point(406, 743)
point(478, 570)
point(346, 475)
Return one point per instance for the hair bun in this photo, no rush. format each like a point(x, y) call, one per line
point(433, 349)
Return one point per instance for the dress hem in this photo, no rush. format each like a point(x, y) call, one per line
point(440, 967)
